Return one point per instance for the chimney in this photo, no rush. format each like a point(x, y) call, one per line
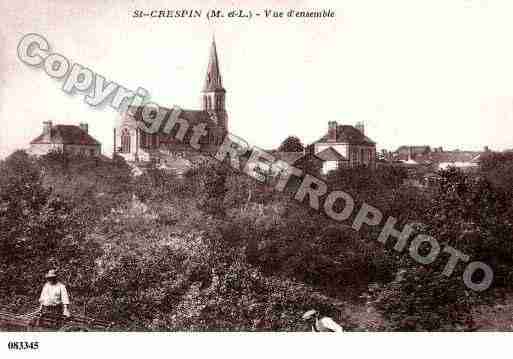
point(84, 126)
point(360, 127)
point(486, 149)
point(332, 131)
point(47, 128)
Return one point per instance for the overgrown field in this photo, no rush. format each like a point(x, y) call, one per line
point(217, 251)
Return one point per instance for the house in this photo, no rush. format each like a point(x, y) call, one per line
point(65, 138)
point(345, 146)
point(437, 159)
point(466, 161)
point(413, 150)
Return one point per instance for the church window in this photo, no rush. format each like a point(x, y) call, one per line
point(125, 141)
point(354, 157)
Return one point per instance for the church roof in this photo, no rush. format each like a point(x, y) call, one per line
point(192, 117)
point(329, 154)
point(67, 135)
point(213, 80)
point(348, 134)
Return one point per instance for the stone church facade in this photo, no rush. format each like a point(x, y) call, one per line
point(137, 146)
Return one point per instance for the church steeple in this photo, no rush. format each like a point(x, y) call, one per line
point(213, 91)
point(213, 80)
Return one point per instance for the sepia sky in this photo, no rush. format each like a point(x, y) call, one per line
point(436, 72)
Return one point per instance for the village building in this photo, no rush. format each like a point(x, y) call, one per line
point(67, 139)
point(437, 159)
point(413, 150)
point(345, 146)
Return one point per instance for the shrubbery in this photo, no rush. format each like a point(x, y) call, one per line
point(471, 215)
point(217, 251)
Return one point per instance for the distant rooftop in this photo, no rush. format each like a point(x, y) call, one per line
point(348, 134)
point(67, 135)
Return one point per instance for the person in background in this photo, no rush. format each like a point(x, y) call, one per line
point(321, 324)
point(54, 296)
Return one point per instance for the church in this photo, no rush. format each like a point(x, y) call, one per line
point(137, 146)
point(343, 145)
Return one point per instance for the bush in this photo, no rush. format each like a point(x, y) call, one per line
point(424, 300)
point(38, 231)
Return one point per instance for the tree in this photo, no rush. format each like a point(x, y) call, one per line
point(213, 188)
point(498, 169)
point(291, 144)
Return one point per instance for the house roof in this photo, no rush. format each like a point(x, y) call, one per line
point(288, 157)
point(441, 157)
point(67, 135)
point(348, 134)
point(329, 154)
point(414, 149)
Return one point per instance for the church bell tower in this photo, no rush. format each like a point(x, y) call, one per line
point(213, 94)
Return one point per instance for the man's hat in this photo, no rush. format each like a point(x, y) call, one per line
point(309, 314)
point(52, 273)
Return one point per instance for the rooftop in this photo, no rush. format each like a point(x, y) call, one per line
point(348, 134)
point(67, 135)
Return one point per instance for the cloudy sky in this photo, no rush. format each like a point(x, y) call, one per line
point(436, 72)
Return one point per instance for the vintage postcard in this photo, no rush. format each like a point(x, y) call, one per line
point(171, 167)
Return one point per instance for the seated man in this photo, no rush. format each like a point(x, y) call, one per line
point(54, 297)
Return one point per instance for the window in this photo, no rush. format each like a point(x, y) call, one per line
point(142, 139)
point(354, 156)
point(329, 166)
point(125, 141)
point(145, 140)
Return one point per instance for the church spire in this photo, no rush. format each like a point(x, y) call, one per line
point(213, 79)
point(213, 93)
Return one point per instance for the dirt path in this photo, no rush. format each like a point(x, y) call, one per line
point(365, 317)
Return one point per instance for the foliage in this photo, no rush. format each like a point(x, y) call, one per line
point(213, 189)
point(291, 144)
point(38, 231)
point(215, 250)
point(498, 169)
point(424, 300)
point(471, 215)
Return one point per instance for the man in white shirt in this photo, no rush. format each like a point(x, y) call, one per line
point(321, 324)
point(54, 296)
